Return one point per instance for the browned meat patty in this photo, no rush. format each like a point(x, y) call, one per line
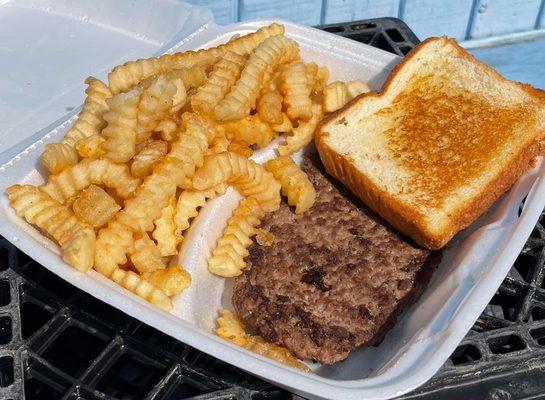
point(335, 277)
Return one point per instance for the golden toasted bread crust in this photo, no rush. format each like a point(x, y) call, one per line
point(400, 215)
point(406, 219)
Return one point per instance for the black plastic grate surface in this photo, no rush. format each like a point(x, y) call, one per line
point(390, 34)
point(57, 342)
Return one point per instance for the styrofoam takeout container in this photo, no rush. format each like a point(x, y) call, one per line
point(472, 269)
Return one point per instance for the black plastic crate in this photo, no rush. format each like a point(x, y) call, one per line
point(57, 342)
point(390, 34)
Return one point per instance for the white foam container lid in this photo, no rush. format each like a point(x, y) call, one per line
point(472, 268)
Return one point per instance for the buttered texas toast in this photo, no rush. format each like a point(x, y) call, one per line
point(442, 141)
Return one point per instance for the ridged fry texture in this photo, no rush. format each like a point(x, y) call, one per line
point(251, 130)
point(303, 134)
point(337, 94)
point(173, 280)
point(249, 178)
point(232, 329)
point(144, 161)
point(242, 97)
point(77, 240)
point(295, 183)
point(146, 256)
point(74, 179)
point(296, 89)
point(227, 258)
point(90, 120)
point(155, 104)
point(224, 75)
point(142, 288)
point(114, 242)
point(175, 170)
point(130, 74)
point(164, 230)
point(187, 208)
point(122, 119)
point(58, 156)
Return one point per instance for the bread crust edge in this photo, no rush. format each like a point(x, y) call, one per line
point(400, 215)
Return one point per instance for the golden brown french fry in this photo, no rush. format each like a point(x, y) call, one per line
point(77, 239)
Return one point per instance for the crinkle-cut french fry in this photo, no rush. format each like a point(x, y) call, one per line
point(296, 90)
point(337, 94)
point(247, 43)
point(317, 77)
point(241, 148)
point(284, 127)
point(146, 256)
point(241, 45)
point(76, 239)
point(249, 178)
point(322, 77)
point(223, 76)
point(114, 242)
point(144, 161)
point(227, 258)
point(90, 120)
point(357, 87)
point(183, 79)
point(122, 120)
point(105, 172)
point(91, 147)
point(58, 156)
point(128, 75)
point(167, 130)
point(154, 106)
point(172, 280)
point(124, 77)
point(269, 108)
point(142, 288)
point(191, 77)
point(311, 70)
point(175, 169)
point(295, 183)
point(188, 205)
point(220, 142)
point(303, 134)
point(231, 328)
point(243, 95)
point(249, 129)
point(271, 80)
point(180, 97)
point(164, 230)
point(95, 207)
point(264, 238)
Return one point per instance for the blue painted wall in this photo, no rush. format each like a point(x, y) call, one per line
point(462, 19)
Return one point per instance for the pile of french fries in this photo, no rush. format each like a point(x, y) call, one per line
point(162, 138)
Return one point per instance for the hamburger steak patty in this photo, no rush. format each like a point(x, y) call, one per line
point(335, 277)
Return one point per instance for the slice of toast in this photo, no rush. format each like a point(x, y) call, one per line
point(444, 139)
